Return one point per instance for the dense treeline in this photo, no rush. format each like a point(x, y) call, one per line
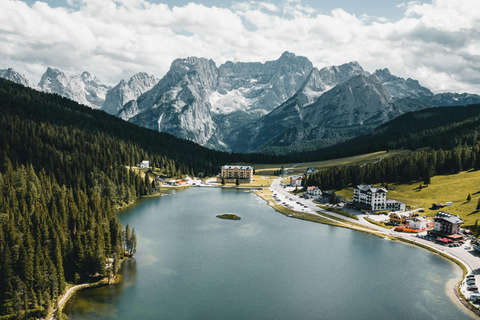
point(64, 170)
point(439, 128)
point(161, 148)
point(450, 133)
point(420, 165)
point(50, 234)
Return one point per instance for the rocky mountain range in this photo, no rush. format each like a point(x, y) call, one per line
point(124, 92)
point(16, 77)
point(286, 104)
point(85, 88)
point(247, 107)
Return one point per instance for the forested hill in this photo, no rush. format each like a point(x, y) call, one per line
point(439, 128)
point(63, 172)
point(58, 112)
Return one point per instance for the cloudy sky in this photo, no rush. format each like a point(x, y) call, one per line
point(436, 42)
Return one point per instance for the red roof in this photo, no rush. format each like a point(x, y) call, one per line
point(455, 236)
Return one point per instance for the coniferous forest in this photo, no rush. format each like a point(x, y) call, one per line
point(64, 171)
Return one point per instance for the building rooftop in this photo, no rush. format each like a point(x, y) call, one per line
point(392, 201)
point(448, 217)
point(237, 167)
point(371, 188)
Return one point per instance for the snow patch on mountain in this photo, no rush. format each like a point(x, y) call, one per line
point(16, 77)
point(231, 101)
point(84, 89)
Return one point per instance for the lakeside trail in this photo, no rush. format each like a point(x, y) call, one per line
point(65, 297)
point(468, 258)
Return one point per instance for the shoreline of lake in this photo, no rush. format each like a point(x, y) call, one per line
point(461, 300)
point(165, 271)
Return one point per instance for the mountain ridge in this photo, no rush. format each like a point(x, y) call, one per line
point(227, 107)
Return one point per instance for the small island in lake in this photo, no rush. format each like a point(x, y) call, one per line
point(229, 216)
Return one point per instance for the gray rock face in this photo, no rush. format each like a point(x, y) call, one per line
point(178, 103)
point(16, 77)
point(85, 88)
point(454, 99)
point(123, 92)
point(353, 107)
point(333, 75)
point(250, 106)
point(400, 88)
point(200, 102)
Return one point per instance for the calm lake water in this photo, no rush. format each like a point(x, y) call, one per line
point(192, 265)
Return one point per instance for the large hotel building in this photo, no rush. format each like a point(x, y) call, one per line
point(230, 173)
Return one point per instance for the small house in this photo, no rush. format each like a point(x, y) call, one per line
point(295, 181)
point(314, 191)
point(398, 218)
point(436, 206)
point(394, 205)
point(144, 164)
point(418, 223)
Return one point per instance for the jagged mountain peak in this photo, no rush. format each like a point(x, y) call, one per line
point(333, 75)
point(287, 55)
point(12, 75)
point(398, 87)
point(88, 77)
point(117, 97)
point(51, 72)
point(185, 65)
point(383, 74)
point(85, 88)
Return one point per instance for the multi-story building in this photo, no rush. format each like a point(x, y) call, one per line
point(296, 181)
point(370, 197)
point(230, 173)
point(395, 205)
point(446, 223)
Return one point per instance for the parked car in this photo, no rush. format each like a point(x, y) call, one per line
point(470, 276)
point(472, 288)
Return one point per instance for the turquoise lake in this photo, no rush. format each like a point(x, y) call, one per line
point(192, 265)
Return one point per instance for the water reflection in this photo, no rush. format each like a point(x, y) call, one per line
point(192, 265)
point(101, 302)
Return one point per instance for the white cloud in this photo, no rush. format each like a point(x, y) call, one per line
point(437, 43)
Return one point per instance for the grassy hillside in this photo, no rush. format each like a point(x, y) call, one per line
point(443, 188)
point(268, 169)
point(438, 128)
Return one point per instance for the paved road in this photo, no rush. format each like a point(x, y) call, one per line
point(470, 258)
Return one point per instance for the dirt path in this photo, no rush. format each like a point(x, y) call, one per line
point(65, 298)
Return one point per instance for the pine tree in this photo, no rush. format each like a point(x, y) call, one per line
point(469, 198)
point(478, 204)
point(133, 241)
point(126, 237)
point(426, 179)
point(237, 182)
